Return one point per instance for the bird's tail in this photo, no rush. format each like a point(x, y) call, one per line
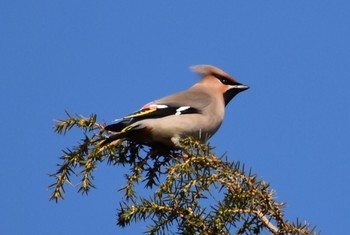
point(112, 138)
point(124, 133)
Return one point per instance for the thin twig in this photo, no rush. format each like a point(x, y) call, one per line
point(266, 221)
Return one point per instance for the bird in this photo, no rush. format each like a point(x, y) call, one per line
point(197, 112)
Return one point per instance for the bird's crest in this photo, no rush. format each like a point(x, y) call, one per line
point(205, 70)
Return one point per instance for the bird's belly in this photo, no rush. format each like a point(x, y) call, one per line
point(170, 130)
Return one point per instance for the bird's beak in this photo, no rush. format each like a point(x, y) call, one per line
point(240, 87)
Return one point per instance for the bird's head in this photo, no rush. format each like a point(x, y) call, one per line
point(219, 81)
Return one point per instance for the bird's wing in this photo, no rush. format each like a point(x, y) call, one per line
point(188, 102)
point(151, 110)
point(193, 97)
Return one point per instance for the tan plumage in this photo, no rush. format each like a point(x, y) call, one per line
point(197, 112)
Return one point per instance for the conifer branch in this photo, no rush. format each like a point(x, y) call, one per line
point(191, 191)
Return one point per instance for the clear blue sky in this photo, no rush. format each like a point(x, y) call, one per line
point(110, 57)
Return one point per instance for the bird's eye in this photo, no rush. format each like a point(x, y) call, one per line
point(223, 80)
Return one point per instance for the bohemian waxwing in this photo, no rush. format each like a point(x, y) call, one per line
point(197, 112)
